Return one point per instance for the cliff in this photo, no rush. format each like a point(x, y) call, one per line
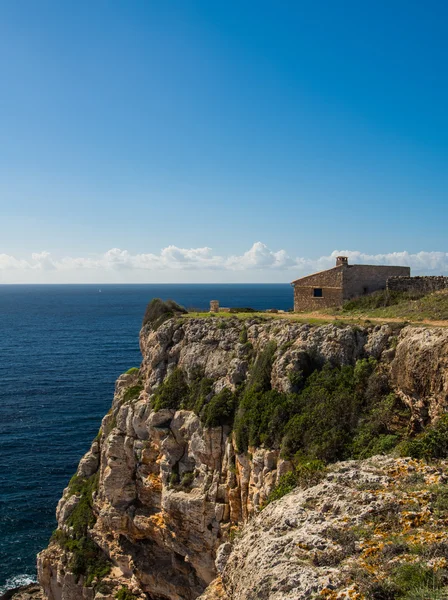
point(158, 506)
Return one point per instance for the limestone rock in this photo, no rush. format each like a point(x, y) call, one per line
point(171, 492)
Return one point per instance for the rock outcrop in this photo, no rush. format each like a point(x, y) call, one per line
point(169, 493)
point(342, 538)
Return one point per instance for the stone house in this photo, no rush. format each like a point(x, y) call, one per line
point(342, 282)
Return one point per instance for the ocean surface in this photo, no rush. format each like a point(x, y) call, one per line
point(61, 349)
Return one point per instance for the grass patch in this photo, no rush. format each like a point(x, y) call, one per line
point(413, 306)
point(132, 370)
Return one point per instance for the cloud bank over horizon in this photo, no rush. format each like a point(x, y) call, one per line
point(174, 264)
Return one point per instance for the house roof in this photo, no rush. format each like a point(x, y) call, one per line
point(318, 273)
point(348, 267)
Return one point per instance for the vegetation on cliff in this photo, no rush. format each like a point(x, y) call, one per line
point(292, 400)
point(412, 306)
point(158, 311)
point(334, 412)
point(86, 558)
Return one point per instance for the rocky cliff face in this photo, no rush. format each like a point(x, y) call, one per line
point(160, 495)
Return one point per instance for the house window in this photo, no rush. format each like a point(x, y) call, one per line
point(317, 292)
point(365, 290)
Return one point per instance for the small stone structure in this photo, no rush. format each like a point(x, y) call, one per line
point(426, 284)
point(214, 306)
point(342, 282)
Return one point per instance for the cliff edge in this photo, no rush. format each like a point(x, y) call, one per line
point(223, 416)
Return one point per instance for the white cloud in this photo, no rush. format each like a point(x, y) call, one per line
point(120, 265)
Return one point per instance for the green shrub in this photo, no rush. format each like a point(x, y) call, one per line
point(286, 484)
point(379, 299)
point(200, 389)
point(248, 348)
point(260, 376)
point(174, 478)
point(242, 309)
point(124, 594)
point(172, 392)
point(261, 419)
point(440, 500)
point(86, 558)
point(158, 311)
point(243, 336)
point(132, 393)
point(220, 410)
point(310, 472)
point(382, 427)
point(187, 479)
point(82, 518)
point(132, 370)
point(328, 411)
point(284, 347)
point(297, 380)
point(426, 593)
point(432, 443)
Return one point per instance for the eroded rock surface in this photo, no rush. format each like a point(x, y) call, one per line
point(170, 491)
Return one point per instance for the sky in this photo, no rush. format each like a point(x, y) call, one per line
point(237, 141)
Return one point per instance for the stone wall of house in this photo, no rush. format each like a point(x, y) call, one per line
point(359, 280)
point(330, 282)
point(417, 284)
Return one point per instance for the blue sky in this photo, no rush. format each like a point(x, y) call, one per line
point(136, 134)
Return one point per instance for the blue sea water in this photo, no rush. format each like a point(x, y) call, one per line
point(61, 349)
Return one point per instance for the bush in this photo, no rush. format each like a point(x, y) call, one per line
point(328, 410)
point(286, 484)
point(260, 376)
point(187, 479)
point(432, 443)
point(309, 473)
point(286, 346)
point(243, 336)
point(174, 478)
point(158, 311)
point(87, 559)
point(380, 299)
point(132, 370)
point(375, 434)
point(124, 594)
point(220, 410)
point(172, 392)
point(132, 393)
point(200, 389)
point(261, 419)
point(242, 309)
point(440, 500)
point(82, 519)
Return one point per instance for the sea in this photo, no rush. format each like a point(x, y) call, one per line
point(61, 349)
